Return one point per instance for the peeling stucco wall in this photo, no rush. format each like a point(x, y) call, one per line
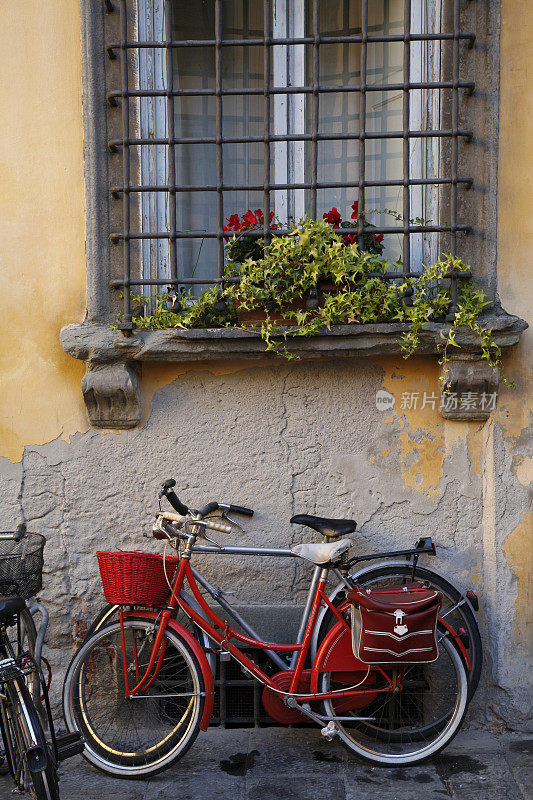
point(280, 438)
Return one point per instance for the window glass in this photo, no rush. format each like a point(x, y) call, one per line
point(243, 116)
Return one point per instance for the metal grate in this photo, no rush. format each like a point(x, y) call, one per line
point(128, 145)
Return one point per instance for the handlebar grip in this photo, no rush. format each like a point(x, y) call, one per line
point(223, 527)
point(171, 516)
point(208, 509)
point(176, 503)
point(246, 512)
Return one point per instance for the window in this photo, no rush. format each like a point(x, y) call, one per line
point(288, 106)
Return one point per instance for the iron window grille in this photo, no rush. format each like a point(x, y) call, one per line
point(126, 48)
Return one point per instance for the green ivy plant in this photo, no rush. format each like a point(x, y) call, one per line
point(313, 279)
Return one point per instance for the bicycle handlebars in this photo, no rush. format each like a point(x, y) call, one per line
point(19, 533)
point(214, 525)
point(167, 491)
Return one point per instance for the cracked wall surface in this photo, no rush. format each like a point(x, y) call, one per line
point(286, 439)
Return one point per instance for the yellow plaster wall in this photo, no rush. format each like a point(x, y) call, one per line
point(515, 273)
point(42, 225)
point(42, 256)
point(515, 200)
point(521, 560)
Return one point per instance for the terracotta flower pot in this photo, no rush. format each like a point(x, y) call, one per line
point(258, 315)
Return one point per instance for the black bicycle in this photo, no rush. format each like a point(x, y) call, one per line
point(32, 758)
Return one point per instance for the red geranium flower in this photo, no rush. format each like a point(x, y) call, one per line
point(248, 220)
point(333, 217)
point(378, 237)
point(349, 239)
point(355, 208)
point(234, 223)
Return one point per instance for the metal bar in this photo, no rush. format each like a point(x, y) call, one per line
point(469, 86)
point(362, 121)
point(257, 689)
point(455, 151)
point(266, 122)
point(275, 552)
point(222, 696)
point(348, 38)
point(307, 610)
point(217, 595)
point(116, 237)
point(127, 321)
point(119, 283)
point(406, 149)
point(116, 190)
point(316, 105)
point(171, 137)
point(295, 137)
point(219, 145)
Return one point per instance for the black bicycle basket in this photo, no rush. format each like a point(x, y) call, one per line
point(21, 566)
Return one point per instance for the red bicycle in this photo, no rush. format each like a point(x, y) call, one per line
point(389, 678)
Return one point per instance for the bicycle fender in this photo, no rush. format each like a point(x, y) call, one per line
point(355, 576)
point(459, 644)
point(335, 654)
point(207, 675)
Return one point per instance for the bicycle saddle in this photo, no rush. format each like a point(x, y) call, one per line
point(322, 552)
point(10, 606)
point(327, 527)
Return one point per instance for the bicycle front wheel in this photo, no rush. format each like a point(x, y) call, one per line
point(138, 737)
point(26, 746)
point(407, 726)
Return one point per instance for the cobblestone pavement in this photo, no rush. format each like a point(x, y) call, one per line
point(276, 763)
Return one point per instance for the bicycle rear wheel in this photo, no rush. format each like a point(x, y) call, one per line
point(26, 745)
point(405, 727)
point(142, 736)
point(455, 610)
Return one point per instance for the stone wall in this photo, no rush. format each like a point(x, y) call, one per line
point(287, 439)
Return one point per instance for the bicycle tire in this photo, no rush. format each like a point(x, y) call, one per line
point(404, 572)
point(443, 682)
point(21, 724)
point(88, 699)
point(29, 638)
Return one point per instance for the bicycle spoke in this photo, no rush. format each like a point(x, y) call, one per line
point(155, 719)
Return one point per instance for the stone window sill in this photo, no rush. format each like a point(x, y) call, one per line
point(111, 385)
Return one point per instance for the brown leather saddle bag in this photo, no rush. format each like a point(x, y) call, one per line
point(397, 625)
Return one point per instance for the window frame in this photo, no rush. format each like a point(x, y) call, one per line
point(406, 229)
point(111, 386)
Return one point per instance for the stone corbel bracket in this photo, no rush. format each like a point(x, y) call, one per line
point(111, 386)
point(112, 394)
point(470, 388)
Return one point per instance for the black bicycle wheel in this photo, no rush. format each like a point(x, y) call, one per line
point(454, 610)
point(22, 730)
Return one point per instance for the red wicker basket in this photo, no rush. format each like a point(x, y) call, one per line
point(136, 578)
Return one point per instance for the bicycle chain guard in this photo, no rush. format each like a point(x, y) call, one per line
point(273, 702)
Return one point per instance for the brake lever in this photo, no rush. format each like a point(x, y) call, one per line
point(225, 515)
point(208, 539)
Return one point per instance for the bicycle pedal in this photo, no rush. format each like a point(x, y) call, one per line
point(69, 744)
point(330, 731)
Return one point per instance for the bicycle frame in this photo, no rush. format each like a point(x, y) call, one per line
point(219, 631)
point(14, 666)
